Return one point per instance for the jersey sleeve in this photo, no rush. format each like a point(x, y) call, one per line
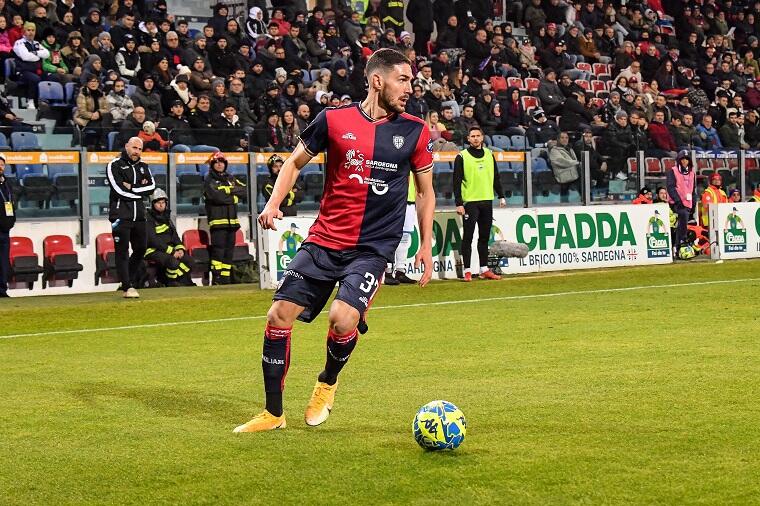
point(314, 136)
point(422, 157)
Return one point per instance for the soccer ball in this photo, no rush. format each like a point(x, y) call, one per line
point(439, 425)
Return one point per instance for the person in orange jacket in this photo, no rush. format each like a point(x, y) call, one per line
point(644, 196)
point(713, 194)
point(756, 195)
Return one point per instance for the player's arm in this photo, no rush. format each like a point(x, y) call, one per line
point(425, 212)
point(285, 181)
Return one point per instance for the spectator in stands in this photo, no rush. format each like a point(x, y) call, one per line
point(221, 194)
point(752, 96)
point(549, 93)
point(708, 135)
point(219, 19)
point(597, 165)
point(146, 97)
point(682, 193)
point(54, 65)
point(417, 105)
point(515, 120)
point(290, 131)
point(29, 57)
point(105, 50)
point(575, 117)
point(268, 103)
point(9, 119)
point(152, 141)
point(222, 57)
point(93, 113)
point(618, 141)
point(269, 136)
point(130, 127)
point(232, 135)
point(7, 221)
point(255, 26)
point(541, 130)
point(732, 133)
point(752, 129)
point(74, 53)
point(127, 58)
point(684, 131)
point(200, 77)
point(179, 89)
point(565, 165)
point(180, 133)
point(662, 143)
point(119, 103)
point(340, 84)
point(234, 34)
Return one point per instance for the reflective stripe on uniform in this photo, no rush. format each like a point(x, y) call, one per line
point(160, 229)
point(220, 221)
point(149, 251)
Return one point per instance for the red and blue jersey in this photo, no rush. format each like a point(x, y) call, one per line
point(367, 177)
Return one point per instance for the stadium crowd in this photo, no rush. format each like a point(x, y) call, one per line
point(657, 76)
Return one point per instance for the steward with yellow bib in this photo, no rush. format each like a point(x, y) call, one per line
point(476, 181)
point(713, 194)
point(221, 194)
point(164, 245)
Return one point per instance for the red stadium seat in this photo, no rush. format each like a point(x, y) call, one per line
point(601, 69)
point(196, 244)
point(105, 256)
point(653, 166)
point(515, 82)
point(241, 254)
point(25, 266)
point(751, 163)
point(529, 102)
point(61, 262)
point(583, 84)
point(597, 102)
point(586, 67)
point(633, 165)
point(597, 86)
point(498, 84)
point(531, 84)
point(668, 163)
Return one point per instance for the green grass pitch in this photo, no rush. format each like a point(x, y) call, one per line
point(591, 395)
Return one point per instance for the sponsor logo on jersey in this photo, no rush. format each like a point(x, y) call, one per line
point(349, 136)
point(378, 186)
point(398, 141)
point(354, 160)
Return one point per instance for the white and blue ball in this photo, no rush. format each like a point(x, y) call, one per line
point(439, 425)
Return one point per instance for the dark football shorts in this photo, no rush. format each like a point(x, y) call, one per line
point(311, 277)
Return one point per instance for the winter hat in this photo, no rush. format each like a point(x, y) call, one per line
point(216, 82)
point(280, 72)
point(149, 127)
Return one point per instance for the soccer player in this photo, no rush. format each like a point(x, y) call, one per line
point(371, 147)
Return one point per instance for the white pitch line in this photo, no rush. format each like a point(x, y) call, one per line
point(399, 306)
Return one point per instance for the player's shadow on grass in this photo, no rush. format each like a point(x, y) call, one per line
point(162, 400)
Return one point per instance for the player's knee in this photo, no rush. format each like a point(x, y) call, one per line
point(343, 320)
point(280, 316)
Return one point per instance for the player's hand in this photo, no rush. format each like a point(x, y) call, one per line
point(460, 210)
point(268, 215)
point(424, 258)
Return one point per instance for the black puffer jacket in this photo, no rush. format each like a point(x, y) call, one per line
point(221, 193)
point(126, 204)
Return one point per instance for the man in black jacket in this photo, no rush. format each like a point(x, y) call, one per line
point(7, 220)
point(130, 181)
point(420, 13)
point(164, 246)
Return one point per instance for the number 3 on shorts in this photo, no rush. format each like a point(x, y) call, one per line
point(369, 284)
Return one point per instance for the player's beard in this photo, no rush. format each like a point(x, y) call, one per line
point(390, 104)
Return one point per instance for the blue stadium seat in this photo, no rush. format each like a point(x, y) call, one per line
point(29, 170)
point(519, 142)
point(539, 165)
point(488, 141)
point(112, 139)
point(52, 93)
point(443, 178)
point(186, 169)
point(4, 145)
point(70, 90)
point(24, 141)
point(306, 77)
point(315, 74)
point(502, 142)
point(237, 169)
point(62, 169)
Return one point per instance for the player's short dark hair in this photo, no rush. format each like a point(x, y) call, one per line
point(474, 128)
point(384, 60)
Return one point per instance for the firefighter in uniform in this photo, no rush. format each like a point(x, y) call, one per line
point(294, 196)
point(713, 194)
point(164, 245)
point(221, 193)
point(756, 195)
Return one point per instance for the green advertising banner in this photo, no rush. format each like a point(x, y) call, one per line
point(736, 228)
point(558, 239)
